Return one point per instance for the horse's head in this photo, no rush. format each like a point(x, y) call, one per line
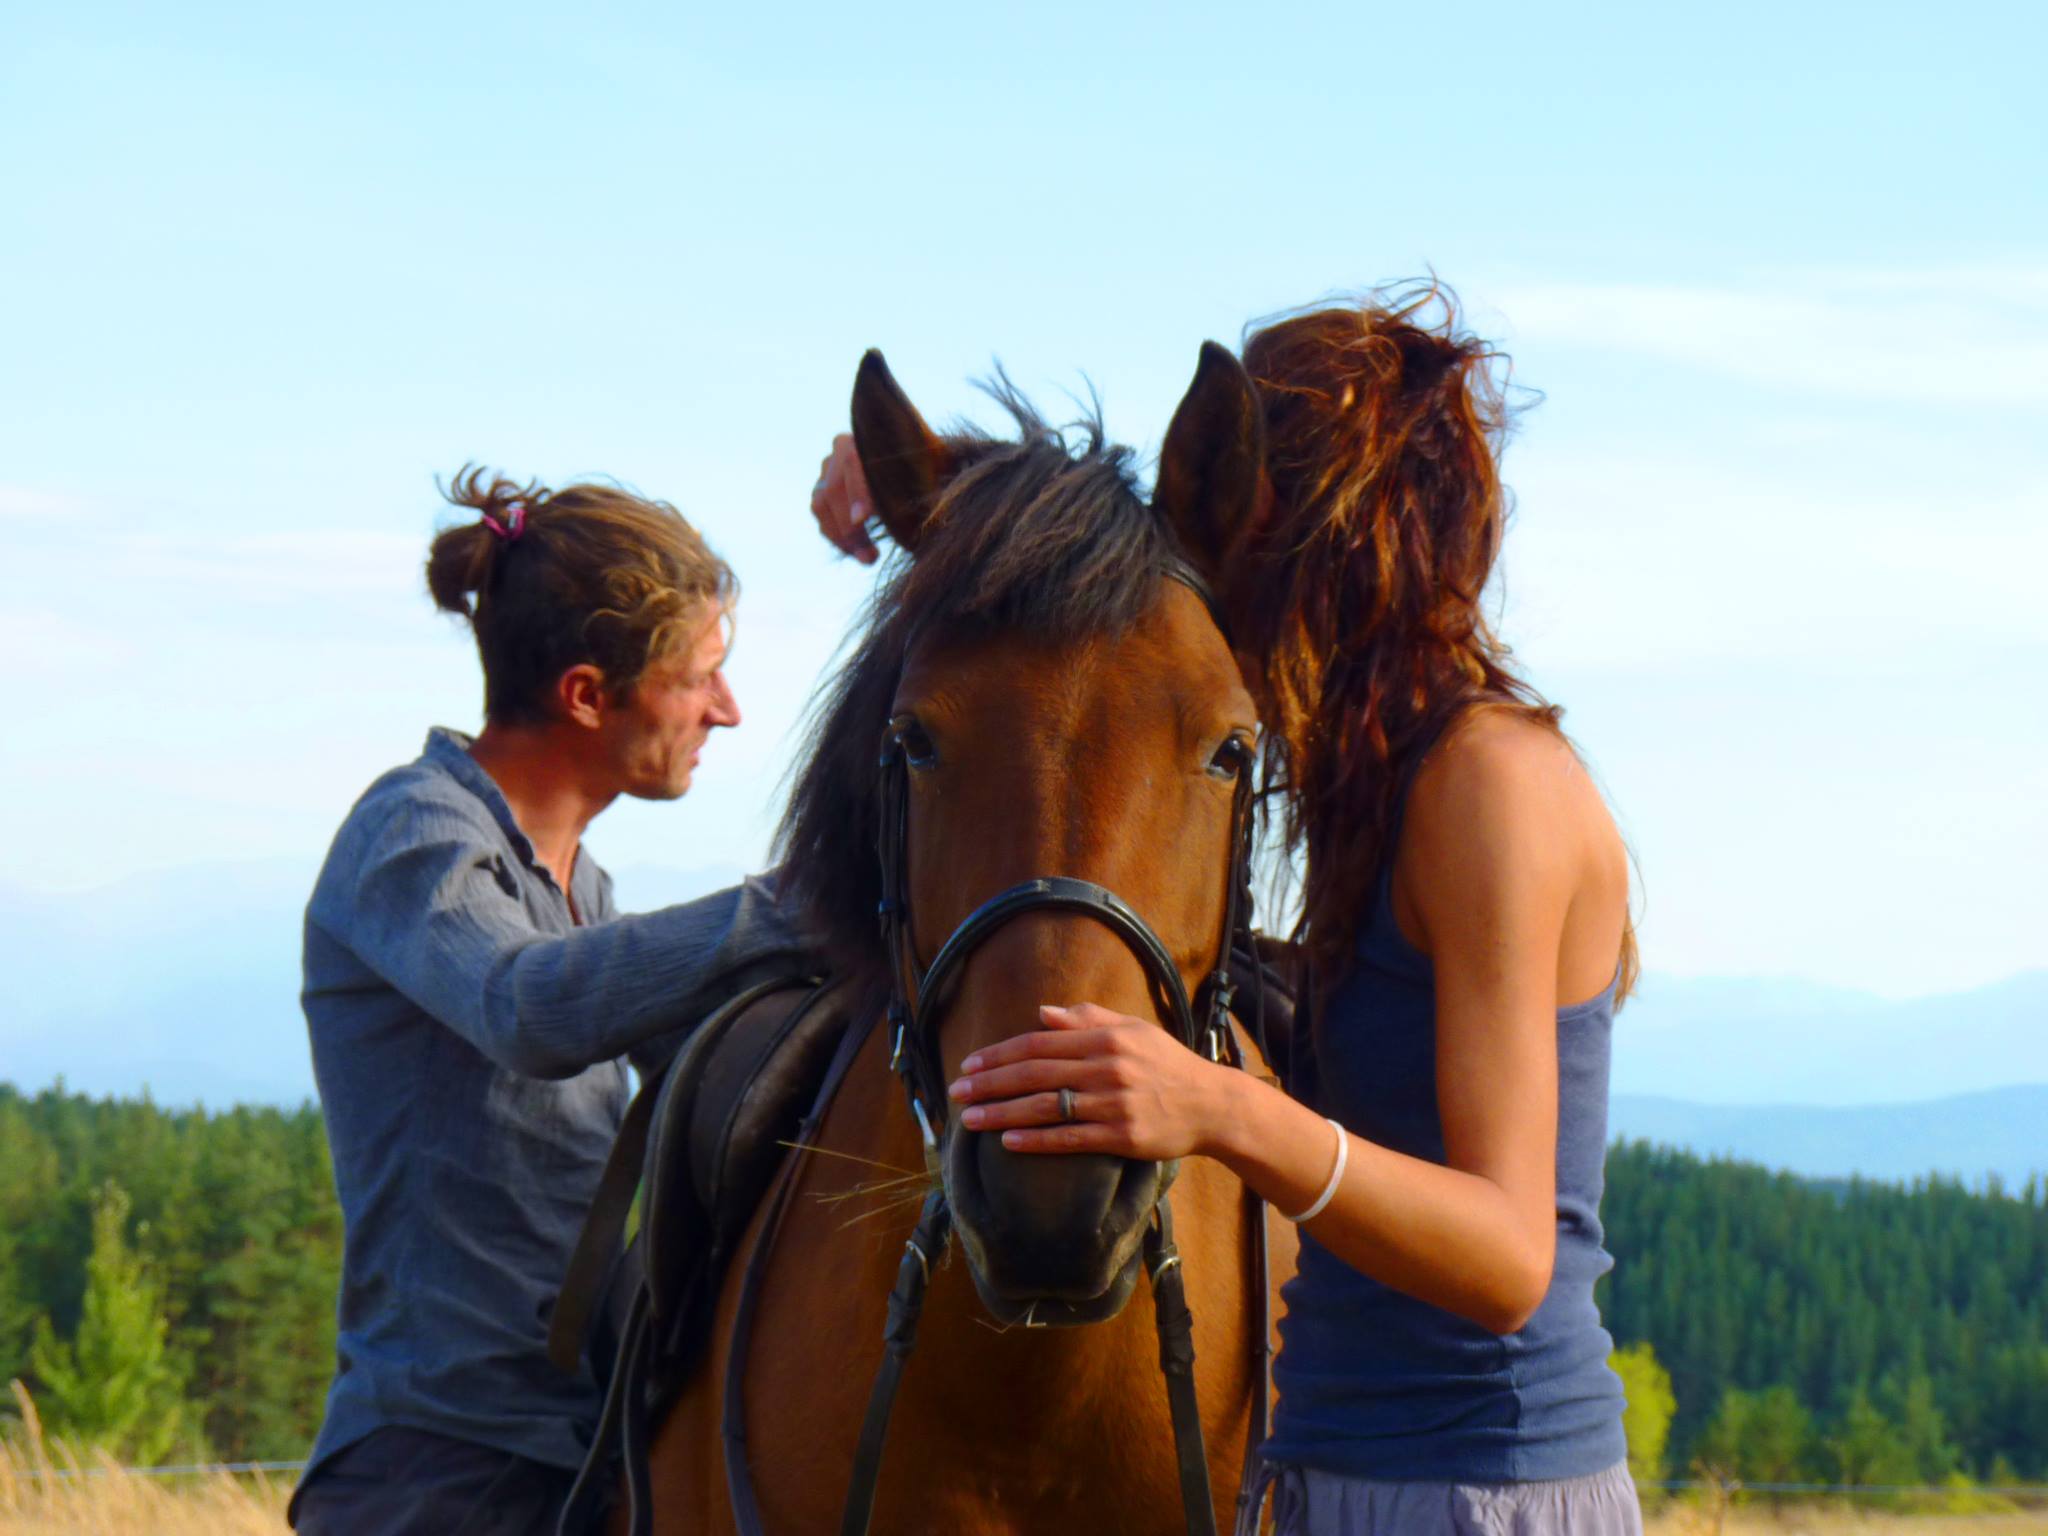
point(1060, 705)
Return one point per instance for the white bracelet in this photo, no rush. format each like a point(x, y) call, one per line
point(1336, 1177)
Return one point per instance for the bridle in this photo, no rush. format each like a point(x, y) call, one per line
point(916, 1004)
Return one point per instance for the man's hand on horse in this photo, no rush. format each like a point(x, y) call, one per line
point(1094, 1080)
point(840, 501)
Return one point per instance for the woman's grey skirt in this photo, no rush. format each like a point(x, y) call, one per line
point(1307, 1502)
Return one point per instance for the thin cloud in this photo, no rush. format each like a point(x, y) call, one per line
point(1698, 561)
point(289, 565)
point(48, 637)
point(21, 502)
point(1968, 336)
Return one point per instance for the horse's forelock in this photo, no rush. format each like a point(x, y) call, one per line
point(1039, 537)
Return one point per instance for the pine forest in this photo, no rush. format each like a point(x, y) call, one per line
point(167, 1288)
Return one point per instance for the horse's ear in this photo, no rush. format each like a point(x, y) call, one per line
point(907, 464)
point(1212, 463)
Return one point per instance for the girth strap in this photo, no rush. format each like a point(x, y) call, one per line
point(604, 1229)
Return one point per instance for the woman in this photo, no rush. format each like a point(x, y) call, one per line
point(1442, 1365)
point(469, 988)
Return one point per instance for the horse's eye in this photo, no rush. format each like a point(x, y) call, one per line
point(918, 750)
point(1232, 758)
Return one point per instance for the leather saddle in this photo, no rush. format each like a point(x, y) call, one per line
point(700, 1145)
point(722, 1125)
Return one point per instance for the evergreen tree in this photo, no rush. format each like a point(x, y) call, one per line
point(1759, 1437)
point(1867, 1449)
point(1838, 1291)
point(1921, 1429)
point(115, 1384)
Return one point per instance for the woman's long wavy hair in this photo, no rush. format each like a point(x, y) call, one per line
point(1362, 590)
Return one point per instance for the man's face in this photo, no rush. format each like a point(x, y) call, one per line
point(660, 727)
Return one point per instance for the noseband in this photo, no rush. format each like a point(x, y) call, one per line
point(917, 999)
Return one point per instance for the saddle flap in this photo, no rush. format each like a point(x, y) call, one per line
point(757, 1089)
point(730, 1096)
point(674, 1225)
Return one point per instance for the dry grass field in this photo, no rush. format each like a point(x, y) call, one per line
point(1796, 1519)
point(45, 1490)
point(108, 1502)
point(115, 1504)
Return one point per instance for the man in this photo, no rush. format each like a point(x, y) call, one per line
point(470, 988)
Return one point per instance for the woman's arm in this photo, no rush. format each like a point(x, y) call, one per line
point(1491, 861)
point(841, 503)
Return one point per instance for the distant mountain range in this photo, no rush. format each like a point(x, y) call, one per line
point(2002, 1131)
point(186, 982)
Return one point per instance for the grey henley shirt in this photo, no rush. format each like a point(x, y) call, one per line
point(466, 1035)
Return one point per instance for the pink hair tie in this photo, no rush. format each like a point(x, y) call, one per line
point(513, 525)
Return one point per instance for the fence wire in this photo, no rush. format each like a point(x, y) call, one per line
point(195, 1469)
point(1845, 1490)
point(2036, 1491)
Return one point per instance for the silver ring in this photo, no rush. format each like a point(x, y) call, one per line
point(1066, 1106)
point(819, 486)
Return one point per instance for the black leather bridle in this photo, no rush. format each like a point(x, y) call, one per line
point(917, 1000)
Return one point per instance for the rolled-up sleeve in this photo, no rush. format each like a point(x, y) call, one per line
point(430, 906)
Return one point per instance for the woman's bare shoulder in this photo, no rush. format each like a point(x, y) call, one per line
point(1509, 783)
point(1497, 755)
point(1504, 813)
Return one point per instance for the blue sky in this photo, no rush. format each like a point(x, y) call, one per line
point(1780, 273)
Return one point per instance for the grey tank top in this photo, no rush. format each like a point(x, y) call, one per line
point(1376, 1384)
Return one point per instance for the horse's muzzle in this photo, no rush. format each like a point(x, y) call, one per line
point(1050, 1239)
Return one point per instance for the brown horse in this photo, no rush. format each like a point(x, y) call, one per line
point(1065, 709)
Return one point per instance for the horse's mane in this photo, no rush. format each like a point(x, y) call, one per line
point(1038, 537)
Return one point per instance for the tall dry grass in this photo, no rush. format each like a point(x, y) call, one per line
point(46, 1487)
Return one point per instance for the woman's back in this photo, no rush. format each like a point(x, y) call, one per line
point(1375, 1383)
